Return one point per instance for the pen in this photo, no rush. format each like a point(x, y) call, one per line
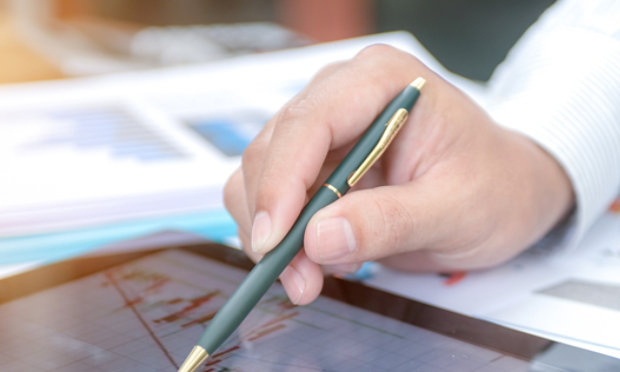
point(362, 156)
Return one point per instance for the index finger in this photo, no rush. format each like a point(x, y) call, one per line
point(328, 115)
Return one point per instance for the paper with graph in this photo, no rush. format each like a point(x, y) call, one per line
point(146, 316)
point(86, 152)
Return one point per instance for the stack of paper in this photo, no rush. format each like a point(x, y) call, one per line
point(92, 152)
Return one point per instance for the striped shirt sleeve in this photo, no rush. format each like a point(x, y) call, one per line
point(560, 86)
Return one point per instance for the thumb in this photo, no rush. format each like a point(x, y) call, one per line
point(375, 223)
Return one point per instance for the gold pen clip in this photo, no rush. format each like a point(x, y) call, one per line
point(391, 129)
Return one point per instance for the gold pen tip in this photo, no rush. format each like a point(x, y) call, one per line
point(195, 358)
point(418, 83)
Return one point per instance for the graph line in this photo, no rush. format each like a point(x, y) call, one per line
point(131, 305)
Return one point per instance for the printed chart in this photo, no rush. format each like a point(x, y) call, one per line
point(85, 165)
point(146, 315)
point(231, 132)
point(112, 129)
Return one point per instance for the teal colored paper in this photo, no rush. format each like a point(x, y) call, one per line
point(213, 225)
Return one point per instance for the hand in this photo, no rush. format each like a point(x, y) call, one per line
point(454, 191)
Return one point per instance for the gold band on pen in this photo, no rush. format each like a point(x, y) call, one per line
point(333, 189)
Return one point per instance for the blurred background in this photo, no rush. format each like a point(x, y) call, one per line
point(51, 39)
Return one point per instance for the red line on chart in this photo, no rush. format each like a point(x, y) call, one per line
point(134, 301)
point(202, 319)
point(157, 284)
point(279, 319)
point(213, 362)
point(140, 276)
point(217, 357)
point(222, 353)
point(194, 304)
point(266, 332)
point(286, 304)
point(137, 314)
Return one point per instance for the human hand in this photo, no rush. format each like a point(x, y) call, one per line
point(454, 191)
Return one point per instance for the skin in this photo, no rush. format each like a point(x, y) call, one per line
point(454, 191)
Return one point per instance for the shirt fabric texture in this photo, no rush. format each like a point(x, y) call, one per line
point(560, 86)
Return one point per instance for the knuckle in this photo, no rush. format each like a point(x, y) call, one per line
point(374, 51)
point(296, 110)
point(385, 63)
point(327, 70)
point(378, 52)
point(231, 189)
point(253, 152)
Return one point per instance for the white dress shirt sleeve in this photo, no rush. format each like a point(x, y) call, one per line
point(560, 86)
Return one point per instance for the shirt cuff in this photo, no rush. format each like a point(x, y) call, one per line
point(563, 92)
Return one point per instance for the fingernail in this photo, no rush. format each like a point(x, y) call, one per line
point(293, 283)
point(261, 229)
point(335, 238)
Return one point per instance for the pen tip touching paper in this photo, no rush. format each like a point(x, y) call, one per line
point(195, 358)
point(418, 83)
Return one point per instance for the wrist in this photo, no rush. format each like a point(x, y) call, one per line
point(551, 190)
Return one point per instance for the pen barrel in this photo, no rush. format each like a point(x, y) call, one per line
point(260, 278)
point(267, 270)
point(339, 177)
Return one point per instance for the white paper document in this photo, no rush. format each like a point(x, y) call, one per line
point(86, 152)
point(571, 296)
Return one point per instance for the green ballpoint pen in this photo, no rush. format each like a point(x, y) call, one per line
point(362, 156)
